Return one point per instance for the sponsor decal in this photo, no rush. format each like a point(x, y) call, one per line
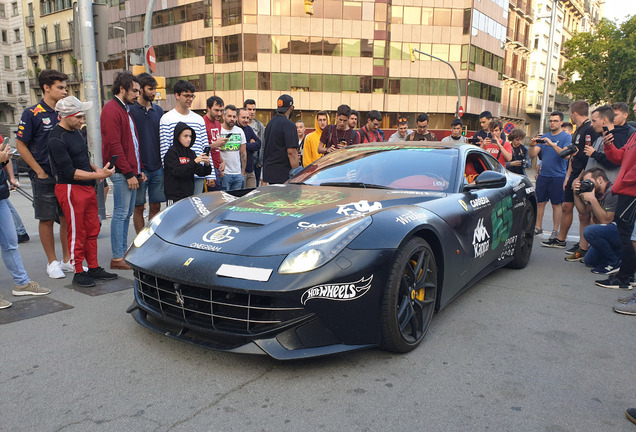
point(294, 199)
point(227, 197)
point(338, 292)
point(46, 120)
point(233, 143)
point(520, 186)
point(479, 203)
point(520, 204)
point(481, 239)
point(188, 261)
point(529, 190)
point(37, 110)
point(509, 248)
point(222, 234)
point(265, 212)
point(358, 208)
point(501, 217)
point(21, 127)
point(408, 192)
point(463, 204)
point(183, 160)
point(206, 247)
point(309, 225)
point(199, 207)
point(411, 217)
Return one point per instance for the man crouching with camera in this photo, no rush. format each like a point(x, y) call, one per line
point(593, 195)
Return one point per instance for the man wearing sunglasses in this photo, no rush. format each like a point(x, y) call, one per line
point(402, 131)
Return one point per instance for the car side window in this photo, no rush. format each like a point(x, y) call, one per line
point(494, 164)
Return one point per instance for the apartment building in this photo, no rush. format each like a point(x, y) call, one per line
point(354, 52)
point(14, 81)
point(48, 27)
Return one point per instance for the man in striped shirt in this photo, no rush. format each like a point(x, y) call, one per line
point(184, 94)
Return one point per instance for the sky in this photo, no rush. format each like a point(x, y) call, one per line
point(617, 10)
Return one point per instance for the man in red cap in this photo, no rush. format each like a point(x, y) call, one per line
point(75, 177)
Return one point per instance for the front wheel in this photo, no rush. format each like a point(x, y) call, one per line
point(409, 299)
point(524, 245)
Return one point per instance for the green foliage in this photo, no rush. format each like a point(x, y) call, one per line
point(601, 66)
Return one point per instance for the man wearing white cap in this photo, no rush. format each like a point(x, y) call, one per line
point(75, 177)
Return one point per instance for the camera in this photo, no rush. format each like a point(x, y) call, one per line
point(586, 186)
point(569, 150)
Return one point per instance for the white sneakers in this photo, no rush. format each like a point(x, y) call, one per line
point(67, 267)
point(54, 270)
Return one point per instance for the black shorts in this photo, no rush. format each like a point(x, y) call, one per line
point(44, 200)
point(568, 193)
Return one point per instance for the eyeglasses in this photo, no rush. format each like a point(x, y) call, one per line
point(554, 121)
point(402, 120)
point(376, 124)
point(188, 96)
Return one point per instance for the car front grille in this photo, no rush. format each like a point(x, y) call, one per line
point(213, 308)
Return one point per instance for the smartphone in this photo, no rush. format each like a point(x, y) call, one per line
point(541, 141)
point(606, 130)
point(473, 140)
point(113, 159)
point(206, 151)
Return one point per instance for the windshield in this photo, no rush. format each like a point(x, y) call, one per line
point(415, 168)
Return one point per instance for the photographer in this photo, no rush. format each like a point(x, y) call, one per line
point(552, 175)
point(603, 119)
point(601, 242)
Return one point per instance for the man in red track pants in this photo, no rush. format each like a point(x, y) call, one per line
point(75, 177)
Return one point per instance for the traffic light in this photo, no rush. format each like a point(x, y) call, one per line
point(464, 130)
point(161, 88)
point(309, 7)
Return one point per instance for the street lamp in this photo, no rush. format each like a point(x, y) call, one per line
point(459, 95)
point(125, 42)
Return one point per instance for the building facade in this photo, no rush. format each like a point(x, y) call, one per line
point(354, 52)
point(14, 80)
point(49, 29)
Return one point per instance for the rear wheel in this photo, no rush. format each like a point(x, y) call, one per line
point(409, 299)
point(524, 245)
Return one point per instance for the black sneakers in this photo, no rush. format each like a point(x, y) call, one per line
point(23, 238)
point(554, 243)
point(83, 280)
point(613, 282)
point(100, 273)
point(574, 248)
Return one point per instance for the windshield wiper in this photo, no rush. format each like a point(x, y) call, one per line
point(355, 185)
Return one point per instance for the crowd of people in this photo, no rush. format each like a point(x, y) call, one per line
point(153, 157)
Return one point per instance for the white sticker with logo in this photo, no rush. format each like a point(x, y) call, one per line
point(509, 248)
point(529, 190)
point(481, 239)
point(358, 208)
point(479, 203)
point(411, 217)
point(520, 186)
point(338, 292)
point(206, 247)
point(198, 205)
point(227, 197)
point(222, 234)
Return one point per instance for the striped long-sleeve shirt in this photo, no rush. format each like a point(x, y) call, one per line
point(166, 132)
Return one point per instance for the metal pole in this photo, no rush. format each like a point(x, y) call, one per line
point(91, 90)
point(459, 94)
point(125, 43)
point(147, 26)
point(548, 74)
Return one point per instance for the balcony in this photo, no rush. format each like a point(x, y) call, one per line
point(34, 83)
point(512, 112)
point(32, 51)
point(56, 46)
point(73, 79)
point(517, 39)
point(30, 21)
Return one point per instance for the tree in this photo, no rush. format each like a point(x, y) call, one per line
point(601, 66)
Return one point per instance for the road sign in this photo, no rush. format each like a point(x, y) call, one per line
point(460, 111)
point(509, 127)
point(151, 59)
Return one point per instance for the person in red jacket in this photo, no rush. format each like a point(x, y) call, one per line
point(625, 188)
point(119, 138)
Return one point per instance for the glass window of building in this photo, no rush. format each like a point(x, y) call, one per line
point(281, 8)
point(264, 81)
point(412, 15)
point(441, 51)
point(333, 9)
point(280, 81)
point(298, 9)
point(367, 11)
point(352, 10)
point(19, 64)
point(280, 44)
point(16, 34)
point(250, 44)
point(378, 85)
point(251, 80)
point(315, 83)
point(315, 45)
point(332, 47)
point(22, 87)
point(442, 17)
point(394, 86)
point(366, 48)
point(424, 86)
point(264, 43)
point(264, 7)
point(299, 45)
point(7, 62)
point(408, 86)
point(231, 12)
point(331, 83)
point(300, 82)
point(351, 47)
point(350, 84)
point(427, 16)
point(366, 84)
point(9, 88)
point(4, 37)
point(396, 14)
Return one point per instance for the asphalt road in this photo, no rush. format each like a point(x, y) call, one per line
point(537, 349)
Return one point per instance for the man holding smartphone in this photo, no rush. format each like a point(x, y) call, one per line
point(552, 174)
point(75, 177)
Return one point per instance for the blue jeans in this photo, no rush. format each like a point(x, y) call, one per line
point(124, 205)
point(232, 182)
point(605, 245)
point(154, 186)
point(9, 245)
point(19, 226)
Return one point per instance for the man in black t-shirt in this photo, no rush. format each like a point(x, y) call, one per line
point(281, 143)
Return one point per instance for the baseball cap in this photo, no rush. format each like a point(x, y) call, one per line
point(71, 106)
point(283, 103)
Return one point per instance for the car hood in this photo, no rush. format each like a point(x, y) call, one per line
point(274, 220)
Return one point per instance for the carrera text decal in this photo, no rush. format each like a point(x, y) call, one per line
point(199, 207)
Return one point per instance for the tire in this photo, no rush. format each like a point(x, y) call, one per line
point(409, 298)
point(523, 250)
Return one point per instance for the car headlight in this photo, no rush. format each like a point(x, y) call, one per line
point(149, 229)
point(323, 249)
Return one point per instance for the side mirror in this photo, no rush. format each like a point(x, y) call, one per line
point(488, 180)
